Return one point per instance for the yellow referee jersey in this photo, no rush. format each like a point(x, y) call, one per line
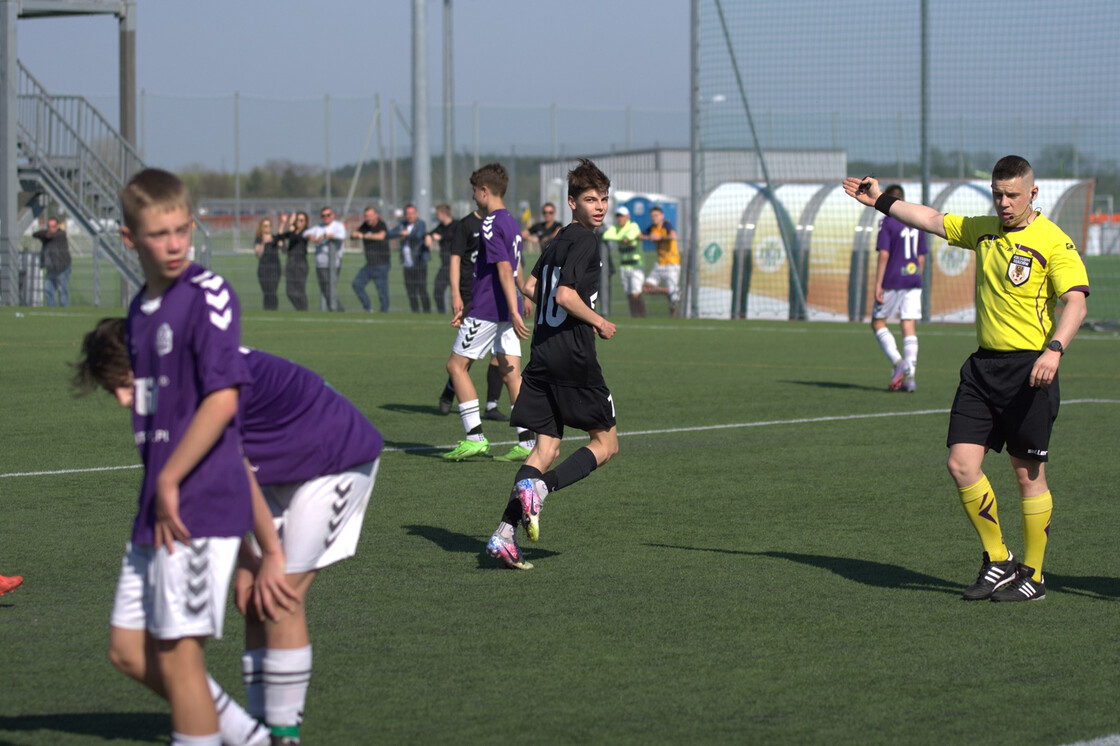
point(1020, 274)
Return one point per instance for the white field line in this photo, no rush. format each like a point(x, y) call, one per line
point(663, 431)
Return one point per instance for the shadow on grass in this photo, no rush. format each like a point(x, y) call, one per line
point(449, 541)
point(414, 409)
point(423, 450)
point(1090, 586)
point(150, 727)
point(866, 572)
point(837, 385)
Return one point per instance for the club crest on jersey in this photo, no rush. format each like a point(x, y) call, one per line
point(163, 339)
point(1019, 269)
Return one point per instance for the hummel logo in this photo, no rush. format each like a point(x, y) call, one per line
point(338, 509)
point(471, 333)
point(223, 320)
point(219, 301)
point(209, 280)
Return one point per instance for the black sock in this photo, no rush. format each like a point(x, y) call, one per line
point(448, 391)
point(493, 384)
point(571, 470)
point(527, 472)
point(525, 436)
point(476, 430)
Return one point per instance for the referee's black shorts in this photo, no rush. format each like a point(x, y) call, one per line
point(995, 405)
point(546, 408)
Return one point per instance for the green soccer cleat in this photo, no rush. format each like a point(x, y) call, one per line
point(517, 453)
point(468, 449)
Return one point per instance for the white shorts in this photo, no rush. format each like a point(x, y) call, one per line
point(177, 595)
point(905, 303)
point(478, 338)
point(632, 280)
point(320, 521)
point(669, 276)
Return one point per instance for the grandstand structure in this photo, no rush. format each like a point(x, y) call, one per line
point(60, 149)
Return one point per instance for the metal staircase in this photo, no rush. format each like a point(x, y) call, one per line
point(70, 153)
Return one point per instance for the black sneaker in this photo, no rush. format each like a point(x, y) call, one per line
point(1023, 587)
point(494, 414)
point(445, 404)
point(993, 575)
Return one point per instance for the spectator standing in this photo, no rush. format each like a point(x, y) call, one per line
point(372, 232)
point(267, 249)
point(55, 260)
point(539, 234)
point(328, 237)
point(665, 277)
point(441, 235)
point(414, 259)
point(296, 269)
point(627, 236)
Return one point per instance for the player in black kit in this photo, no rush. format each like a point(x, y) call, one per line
point(563, 384)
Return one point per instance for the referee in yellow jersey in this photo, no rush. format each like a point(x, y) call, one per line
point(1008, 392)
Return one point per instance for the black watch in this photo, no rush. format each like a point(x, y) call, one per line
point(1056, 346)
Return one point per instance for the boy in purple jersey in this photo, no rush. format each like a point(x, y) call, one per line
point(492, 323)
point(898, 290)
point(563, 383)
point(316, 457)
point(183, 331)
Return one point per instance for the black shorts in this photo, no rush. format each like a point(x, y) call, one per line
point(546, 408)
point(995, 404)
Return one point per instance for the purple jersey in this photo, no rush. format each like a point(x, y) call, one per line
point(499, 240)
point(183, 347)
point(903, 245)
point(296, 427)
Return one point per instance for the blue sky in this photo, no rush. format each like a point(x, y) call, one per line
point(284, 56)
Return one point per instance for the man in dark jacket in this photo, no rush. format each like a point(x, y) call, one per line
point(55, 260)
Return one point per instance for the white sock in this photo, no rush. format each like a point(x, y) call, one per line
point(910, 351)
point(287, 674)
point(178, 739)
point(507, 531)
point(235, 725)
point(491, 405)
point(890, 347)
point(468, 413)
point(252, 675)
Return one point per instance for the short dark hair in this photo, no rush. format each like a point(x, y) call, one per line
point(896, 191)
point(1011, 167)
point(493, 176)
point(153, 187)
point(548, 204)
point(586, 175)
point(104, 359)
point(657, 208)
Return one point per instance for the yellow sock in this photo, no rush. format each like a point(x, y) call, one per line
point(979, 501)
point(1037, 511)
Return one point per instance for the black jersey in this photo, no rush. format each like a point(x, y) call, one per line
point(464, 244)
point(563, 347)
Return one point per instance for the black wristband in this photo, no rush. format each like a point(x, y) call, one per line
point(883, 204)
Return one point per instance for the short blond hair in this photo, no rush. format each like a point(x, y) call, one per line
point(153, 188)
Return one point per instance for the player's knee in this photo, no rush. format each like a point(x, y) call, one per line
point(129, 662)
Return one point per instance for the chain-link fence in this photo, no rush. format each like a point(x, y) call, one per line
point(788, 81)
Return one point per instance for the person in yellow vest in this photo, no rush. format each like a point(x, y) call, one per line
point(665, 277)
point(627, 236)
point(1008, 392)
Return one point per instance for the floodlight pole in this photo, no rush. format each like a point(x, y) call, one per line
point(9, 175)
point(421, 151)
point(448, 109)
